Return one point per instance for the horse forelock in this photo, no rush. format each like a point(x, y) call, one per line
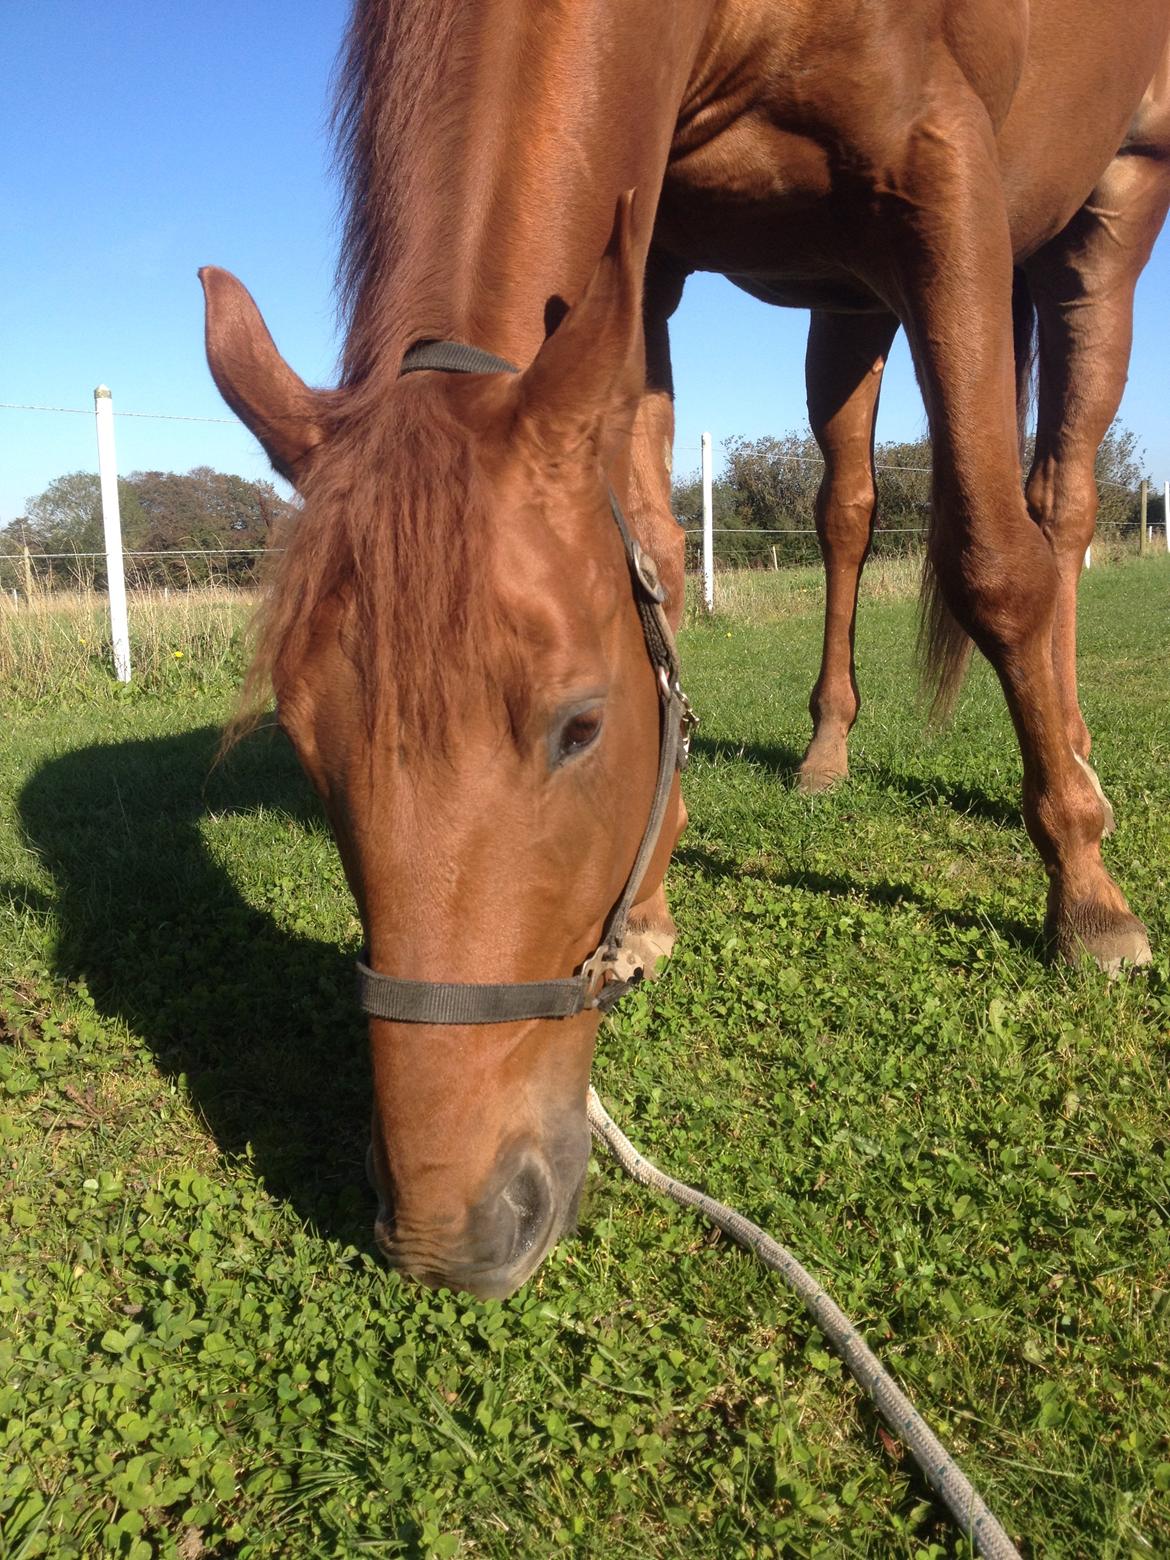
point(395, 535)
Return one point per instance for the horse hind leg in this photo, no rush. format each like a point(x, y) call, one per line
point(996, 570)
point(843, 370)
point(652, 928)
point(1082, 286)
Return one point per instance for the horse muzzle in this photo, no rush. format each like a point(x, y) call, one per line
point(531, 1201)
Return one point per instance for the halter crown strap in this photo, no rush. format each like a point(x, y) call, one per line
point(611, 969)
point(453, 357)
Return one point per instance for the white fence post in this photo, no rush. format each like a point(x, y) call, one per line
point(103, 406)
point(1166, 513)
point(708, 529)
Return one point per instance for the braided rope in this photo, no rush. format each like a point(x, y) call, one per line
point(973, 1517)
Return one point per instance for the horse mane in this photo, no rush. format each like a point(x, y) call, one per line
point(399, 67)
point(395, 530)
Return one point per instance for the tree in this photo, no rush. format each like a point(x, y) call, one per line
point(769, 493)
point(211, 522)
point(66, 517)
point(205, 512)
point(686, 500)
point(62, 529)
point(775, 483)
point(1120, 468)
point(766, 496)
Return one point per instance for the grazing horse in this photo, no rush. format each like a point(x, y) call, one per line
point(1077, 290)
point(465, 637)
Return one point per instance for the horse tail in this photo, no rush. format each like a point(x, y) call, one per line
point(944, 647)
point(1024, 343)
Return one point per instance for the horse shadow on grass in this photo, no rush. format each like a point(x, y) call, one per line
point(886, 892)
point(261, 1022)
point(782, 761)
point(779, 760)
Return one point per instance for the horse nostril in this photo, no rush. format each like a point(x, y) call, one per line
point(529, 1197)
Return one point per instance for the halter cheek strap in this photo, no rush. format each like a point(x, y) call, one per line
point(610, 971)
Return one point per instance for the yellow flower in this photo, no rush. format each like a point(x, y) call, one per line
point(178, 654)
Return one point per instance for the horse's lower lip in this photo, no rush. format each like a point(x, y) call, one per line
point(485, 1280)
point(485, 1283)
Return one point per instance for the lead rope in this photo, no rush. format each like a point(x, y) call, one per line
point(445, 1003)
point(944, 1475)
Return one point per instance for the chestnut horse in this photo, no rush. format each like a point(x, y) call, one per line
point(455, 637)
point(1077, 289)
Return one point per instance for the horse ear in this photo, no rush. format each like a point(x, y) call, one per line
point(253, 378)
point(590, 367)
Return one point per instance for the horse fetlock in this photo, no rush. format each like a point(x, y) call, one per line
point(650, 947)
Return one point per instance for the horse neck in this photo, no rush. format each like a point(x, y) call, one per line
point(486, 146)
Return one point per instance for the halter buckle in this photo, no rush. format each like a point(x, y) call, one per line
point(672, 693)
point(609, 973)
point(646, 573)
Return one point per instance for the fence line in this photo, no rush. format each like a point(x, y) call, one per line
point(81, 411)
point(162, 552)
point(114, 553)
point(765, 530)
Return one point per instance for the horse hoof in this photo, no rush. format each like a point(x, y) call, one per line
point(814, 782)
point(1123, 940)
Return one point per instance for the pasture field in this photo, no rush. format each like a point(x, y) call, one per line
point(857, 1043)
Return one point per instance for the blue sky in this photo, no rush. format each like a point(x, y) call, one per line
point(143, 140)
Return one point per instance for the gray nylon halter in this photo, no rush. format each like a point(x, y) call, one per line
point(611, 969)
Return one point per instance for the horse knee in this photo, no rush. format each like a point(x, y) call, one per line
point(665, 540)
point(1063, 503)
point(844, 514)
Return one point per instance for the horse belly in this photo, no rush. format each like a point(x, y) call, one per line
point(754, 200)
point(800, 113)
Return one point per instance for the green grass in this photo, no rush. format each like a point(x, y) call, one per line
point(856, 1043)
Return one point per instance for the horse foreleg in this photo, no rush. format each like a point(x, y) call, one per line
point(652, 927)
point(996, 569)
point(1082, 286)
point(843, 372)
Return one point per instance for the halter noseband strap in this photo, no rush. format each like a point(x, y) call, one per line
point(611, 969)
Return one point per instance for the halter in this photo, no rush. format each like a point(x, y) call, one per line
point(609, 972)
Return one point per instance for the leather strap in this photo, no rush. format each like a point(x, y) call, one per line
point(453, 1002)
point(453, 357)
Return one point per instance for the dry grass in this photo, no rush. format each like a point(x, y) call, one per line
point(51, 641)
point(774, 595)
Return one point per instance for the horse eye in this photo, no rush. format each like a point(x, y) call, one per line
point(578, 733)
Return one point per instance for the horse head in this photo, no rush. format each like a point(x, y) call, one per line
point(456, 654)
